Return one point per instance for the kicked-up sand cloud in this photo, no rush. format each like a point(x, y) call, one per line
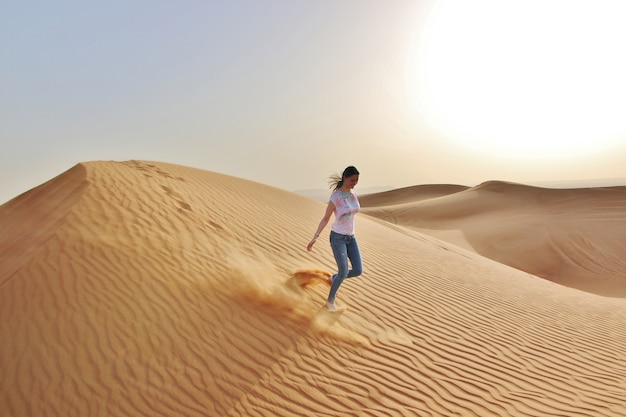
point(150, 289)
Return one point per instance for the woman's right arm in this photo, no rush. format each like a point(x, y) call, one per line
point(329, 211)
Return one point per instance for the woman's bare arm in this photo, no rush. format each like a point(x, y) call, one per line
point(329, 212)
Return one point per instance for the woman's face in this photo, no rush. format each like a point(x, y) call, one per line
point(351, 181)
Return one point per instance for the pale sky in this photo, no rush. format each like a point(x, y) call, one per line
point(287, 92)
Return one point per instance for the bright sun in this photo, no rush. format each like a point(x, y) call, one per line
point(528, 78)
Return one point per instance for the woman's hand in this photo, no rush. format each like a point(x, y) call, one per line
point(311, 243)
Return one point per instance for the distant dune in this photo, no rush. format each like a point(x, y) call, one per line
point(408, 194)
point(571, 236)
point(150, 289)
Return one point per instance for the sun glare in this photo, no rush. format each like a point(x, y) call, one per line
point(531, 78)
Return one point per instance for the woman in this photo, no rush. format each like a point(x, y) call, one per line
point(345, 205)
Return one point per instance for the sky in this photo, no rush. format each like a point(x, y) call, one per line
point(288, 92)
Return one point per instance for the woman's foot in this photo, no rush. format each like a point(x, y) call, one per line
point(330, 305)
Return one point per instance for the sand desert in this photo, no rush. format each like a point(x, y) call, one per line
point(145, 288)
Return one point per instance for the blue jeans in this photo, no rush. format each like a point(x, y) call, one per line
point(344, 247)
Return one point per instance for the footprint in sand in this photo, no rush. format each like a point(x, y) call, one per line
point(177, 197)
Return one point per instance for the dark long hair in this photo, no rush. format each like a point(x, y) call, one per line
point(336, 181)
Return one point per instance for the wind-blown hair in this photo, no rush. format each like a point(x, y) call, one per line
point(335, 181)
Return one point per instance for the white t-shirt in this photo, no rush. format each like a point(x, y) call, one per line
point(346, 207)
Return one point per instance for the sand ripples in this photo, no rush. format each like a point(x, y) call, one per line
point(161, 290)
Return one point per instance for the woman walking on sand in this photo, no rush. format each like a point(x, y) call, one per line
point(345, 205)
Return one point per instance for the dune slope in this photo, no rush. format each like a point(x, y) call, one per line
point(150, 289)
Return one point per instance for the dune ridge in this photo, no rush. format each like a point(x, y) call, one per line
point(155, 289)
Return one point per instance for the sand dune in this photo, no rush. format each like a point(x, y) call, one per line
point(571, 236)
point(409, 194)
point(150, 289)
